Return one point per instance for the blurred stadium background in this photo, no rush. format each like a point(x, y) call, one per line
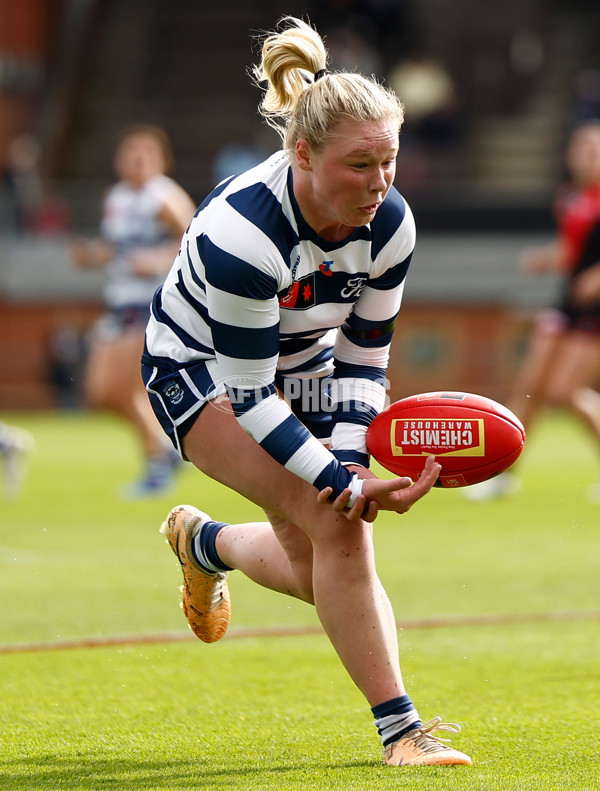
point(491, 93)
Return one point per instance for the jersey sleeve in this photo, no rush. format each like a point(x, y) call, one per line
point(362, 349)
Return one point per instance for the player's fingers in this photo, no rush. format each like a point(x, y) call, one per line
point(324, 495)
point(422, 486)
point(405, 499)
point(340, 504)
point(370, 512)
point(394, 485)
point(385, 491)
point(355, 512)
point(431, 470)
point(428, 476)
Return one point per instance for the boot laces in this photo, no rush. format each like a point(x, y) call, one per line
point(425, 740)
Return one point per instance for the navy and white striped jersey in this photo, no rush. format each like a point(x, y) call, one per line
point(256, 299)
point(130, 222)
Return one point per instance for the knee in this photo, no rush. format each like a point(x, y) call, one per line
point(349, 549)
point(96, 394)
point(347, 555)
point(105, 394)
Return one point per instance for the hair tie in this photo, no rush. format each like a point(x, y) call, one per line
point(320, 73)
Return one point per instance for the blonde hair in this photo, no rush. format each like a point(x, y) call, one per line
point(303, 100)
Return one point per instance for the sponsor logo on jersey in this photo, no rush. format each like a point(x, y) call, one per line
point(301, 295)
point(295, 267)
point(354, 286)
point(441, 437)
point(325, 268)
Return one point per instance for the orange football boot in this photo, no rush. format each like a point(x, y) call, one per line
point(420, 747)
point(205, 596)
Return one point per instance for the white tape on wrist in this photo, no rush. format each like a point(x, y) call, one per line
point(356, 487)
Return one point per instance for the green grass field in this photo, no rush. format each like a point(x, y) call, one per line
point(497, 603)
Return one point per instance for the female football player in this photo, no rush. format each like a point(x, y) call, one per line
point(265, 361)
point(562, 364)
point(144, 216)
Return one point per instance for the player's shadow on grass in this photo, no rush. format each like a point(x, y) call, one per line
point(112, 772)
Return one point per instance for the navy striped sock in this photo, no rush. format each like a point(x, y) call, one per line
point(205, 550)
point(394, 718)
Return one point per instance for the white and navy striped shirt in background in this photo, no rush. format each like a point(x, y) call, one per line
point(257, 294)
point(130, 222)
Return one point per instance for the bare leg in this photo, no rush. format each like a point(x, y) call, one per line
point(113, 382)
point(316, 555)
point(558, 370)
point(587, 404)
point(576, 370)
point(287, 571)
point(528, 394)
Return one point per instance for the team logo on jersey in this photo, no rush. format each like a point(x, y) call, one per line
point(301, 295)
point(325, 268)
point(174, 392)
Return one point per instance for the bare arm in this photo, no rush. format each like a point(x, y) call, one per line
point(90, 254)
point(543, 259)
point(176, 213)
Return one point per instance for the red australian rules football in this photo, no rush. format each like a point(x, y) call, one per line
point(471, 436)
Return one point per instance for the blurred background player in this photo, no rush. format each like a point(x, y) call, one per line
point(144, 216)
point(288, 283)
point(562, 365)
point(15, 445)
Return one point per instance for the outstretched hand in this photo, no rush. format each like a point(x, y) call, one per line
point(398, 494)
point(89, 254)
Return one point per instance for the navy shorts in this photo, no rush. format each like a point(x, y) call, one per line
point(178, 394)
